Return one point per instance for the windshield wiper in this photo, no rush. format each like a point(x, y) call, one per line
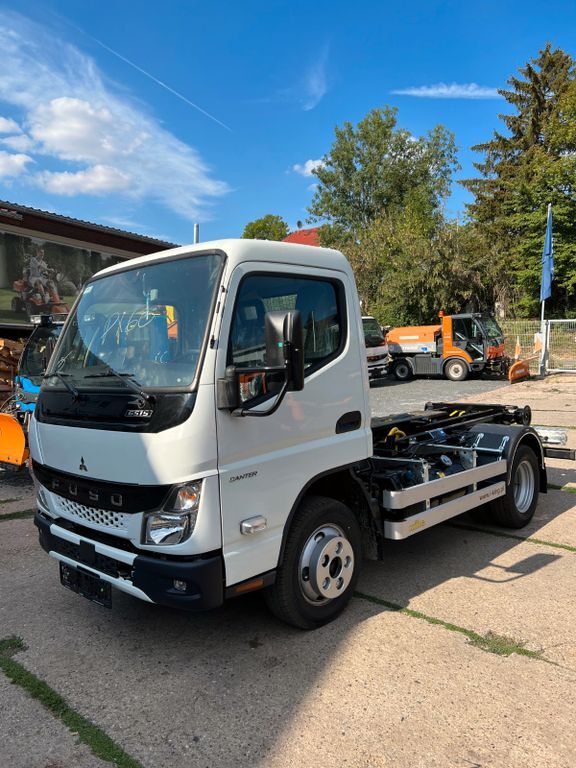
point(127, 378)
point(61, 377)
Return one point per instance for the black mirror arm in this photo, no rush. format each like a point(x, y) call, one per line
point(270, 411)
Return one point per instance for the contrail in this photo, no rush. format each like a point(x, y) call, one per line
point(159, 82)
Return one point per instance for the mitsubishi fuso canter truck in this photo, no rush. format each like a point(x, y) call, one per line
point(203, 430)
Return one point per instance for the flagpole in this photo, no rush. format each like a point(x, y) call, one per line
point(542, 321)
point(543, 342)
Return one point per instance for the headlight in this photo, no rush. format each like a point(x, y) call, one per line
point(175, 523)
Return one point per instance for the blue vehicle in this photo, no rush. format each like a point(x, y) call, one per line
point(16, 413)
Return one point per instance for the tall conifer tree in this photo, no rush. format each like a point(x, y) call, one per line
point(524, 169)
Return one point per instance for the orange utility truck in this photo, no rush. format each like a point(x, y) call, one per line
point(456, 347)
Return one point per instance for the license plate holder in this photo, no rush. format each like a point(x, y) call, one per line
point(88, 585)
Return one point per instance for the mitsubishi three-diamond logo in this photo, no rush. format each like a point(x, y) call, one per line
point(83, 467)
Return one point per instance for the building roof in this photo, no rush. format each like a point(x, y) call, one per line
point(304, 236)
point(54, 224)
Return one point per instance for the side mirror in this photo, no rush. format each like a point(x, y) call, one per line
point(285, 346)
point(284, 353)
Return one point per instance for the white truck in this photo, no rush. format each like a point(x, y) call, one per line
point(377, 352)
point(204, 430)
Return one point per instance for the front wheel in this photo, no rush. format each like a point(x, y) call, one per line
point(322, 559)
point(456, 370)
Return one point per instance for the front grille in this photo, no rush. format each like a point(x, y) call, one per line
point(376, 357)
point(75, 511)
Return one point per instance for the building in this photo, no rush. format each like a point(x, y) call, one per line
point(304, 236)
point(45, 259)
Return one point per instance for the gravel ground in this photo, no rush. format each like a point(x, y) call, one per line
point(390, 396)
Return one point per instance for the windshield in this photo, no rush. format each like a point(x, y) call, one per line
point(372, 332)
point(493, 330)
point(37, 353)
point(147, 324)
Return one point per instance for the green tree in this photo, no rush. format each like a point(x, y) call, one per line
point(524, 169)
point(376, 168)
point(407, 269)
point(269, 227)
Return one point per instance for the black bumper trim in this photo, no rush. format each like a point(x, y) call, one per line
point(204, 577)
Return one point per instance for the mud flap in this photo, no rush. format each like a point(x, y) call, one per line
point(13, 448)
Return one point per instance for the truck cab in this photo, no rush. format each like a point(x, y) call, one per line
point(150, 439)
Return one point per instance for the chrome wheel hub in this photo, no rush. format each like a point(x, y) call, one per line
point(327, 564)
point(456, 370)
point(523, 486)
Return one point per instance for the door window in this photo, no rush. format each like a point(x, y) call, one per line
point(322, 320)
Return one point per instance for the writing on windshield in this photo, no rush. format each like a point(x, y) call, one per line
point(148, 323)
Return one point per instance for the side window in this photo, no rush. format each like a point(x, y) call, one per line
point(316, 300)
point(462, 329)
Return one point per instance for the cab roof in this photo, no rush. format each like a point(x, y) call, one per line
point(240, 250)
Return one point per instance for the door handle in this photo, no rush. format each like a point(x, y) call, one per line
point(349, 422)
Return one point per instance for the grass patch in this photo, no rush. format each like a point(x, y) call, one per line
point(490, 642)
point(18, 515)
point(504, 646)
point(515, 536)
point(561, 488)
point(101, 745)
point(6, 501)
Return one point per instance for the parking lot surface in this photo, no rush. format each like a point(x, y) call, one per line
point(391, 396)
point(458, 650)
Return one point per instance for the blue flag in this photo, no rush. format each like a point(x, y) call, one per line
point(547, 260)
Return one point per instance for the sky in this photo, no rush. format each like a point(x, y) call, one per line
point(150, 117)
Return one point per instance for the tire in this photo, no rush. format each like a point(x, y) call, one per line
point(321, 563)
point(456, 370)
point(401, 370)
point(517, 507)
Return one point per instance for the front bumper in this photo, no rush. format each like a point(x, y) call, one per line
point(150, 578)
point(377, 371)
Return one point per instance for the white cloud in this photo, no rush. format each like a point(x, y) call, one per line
point(450, 91)
point(13, 165)
point(96, 180)
point(305, 169)
point(315, 84)
point(7, 125)
point(20, 142)
point(73, 129)
point(101, 140)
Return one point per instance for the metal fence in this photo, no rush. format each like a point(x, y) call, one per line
point(561, 346)
point(523, 341)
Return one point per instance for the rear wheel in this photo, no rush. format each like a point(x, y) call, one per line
point(321, 563)
point(517, 507)
point(456, 370)
point(401, 370)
